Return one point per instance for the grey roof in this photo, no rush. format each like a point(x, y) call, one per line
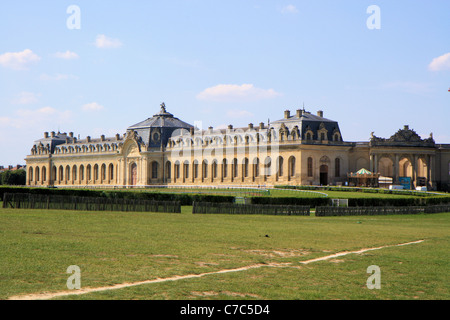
point(57, 139)
point(307, 121)
point(163, 122)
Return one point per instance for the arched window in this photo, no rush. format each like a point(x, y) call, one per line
point(280, 166)
point(246, 162)
point(205, 169)
point(103, 172)
point(235, 168)
point(225, 168)
point(111, 172)
point(74, 173)
point(177, 170)
point(37, 174)
point(337, 167)
point(53, 173)
point(195, 169)
point(292, 166)
point(310, 167)
point(268, 166)
point(61, 173)
point(186, 169)
point(214, 169)
point(96, 172)
point(81, 173)
point(154, 170)
point(89, 172)
point(67, 177)
point(256, 167)
point(168, 170)
point(44, 174)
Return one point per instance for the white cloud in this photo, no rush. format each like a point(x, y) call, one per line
point(66, 55)
point(57, 77)
point(104, 42)
point(26, 98)
point(289, 9)
point(93, 106)
point(18, 60)
point(233, 92)
point(440, 63)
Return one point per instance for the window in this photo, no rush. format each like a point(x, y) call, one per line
point(292, 166)
point(205, 169)
point(256, 167)
point(322, 136)
point(154, 170)
point(111, 172)
point(245, 167)
point(280, 166)
point(337, 167)
point(235, 168)
point(81, 172)
point(186, 170)
point(310, 167)
point(44, 174)
point(225, 168)
point(74, 173)
point(168, 170)
point(195, 169)
point(214, 169)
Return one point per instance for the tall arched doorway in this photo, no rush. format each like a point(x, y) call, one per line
point(324, 175)
point(133, 174)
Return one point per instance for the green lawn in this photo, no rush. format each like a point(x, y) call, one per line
point(110, 248)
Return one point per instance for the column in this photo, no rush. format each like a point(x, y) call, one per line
point(396, 171)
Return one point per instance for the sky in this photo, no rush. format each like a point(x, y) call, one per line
point(98, 67)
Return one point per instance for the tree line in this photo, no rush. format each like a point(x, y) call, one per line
point(13, 178)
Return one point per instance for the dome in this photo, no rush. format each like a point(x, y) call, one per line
point(158, 129)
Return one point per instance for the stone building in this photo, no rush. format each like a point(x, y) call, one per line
point(299, 149)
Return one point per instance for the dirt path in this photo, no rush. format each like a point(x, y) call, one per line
point(45, 296)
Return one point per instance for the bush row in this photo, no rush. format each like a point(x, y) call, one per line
point(356, 189)
point(184, 199)
point(354, 202)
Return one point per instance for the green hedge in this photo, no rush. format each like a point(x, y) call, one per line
point(354, 202)
point(184, 199)
point(356, 189)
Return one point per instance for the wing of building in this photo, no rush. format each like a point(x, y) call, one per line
point(299, 149)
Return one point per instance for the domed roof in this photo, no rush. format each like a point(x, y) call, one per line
point(159, 128)
point(163, 119)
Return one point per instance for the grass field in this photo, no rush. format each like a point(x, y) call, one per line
point(111, 248)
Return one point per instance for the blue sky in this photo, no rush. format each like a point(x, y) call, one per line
point(221, 62)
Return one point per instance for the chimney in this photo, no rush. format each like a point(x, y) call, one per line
point(320, 113)
point(191, 131)
point(117, 136)
point(102, 137)
point(406, 127)
point(74, 140)
point(52, 134)
point(71, 134)
point(230, 126)
point(261, 125)
point(250, 125)
point(45, 134)
point(299, 113)
point(88, 139)
point(287, 114)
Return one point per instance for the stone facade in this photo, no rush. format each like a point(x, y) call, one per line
point(300, 149)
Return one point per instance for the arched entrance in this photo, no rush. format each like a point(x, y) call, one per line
point(133, 174)
point(324, 175)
